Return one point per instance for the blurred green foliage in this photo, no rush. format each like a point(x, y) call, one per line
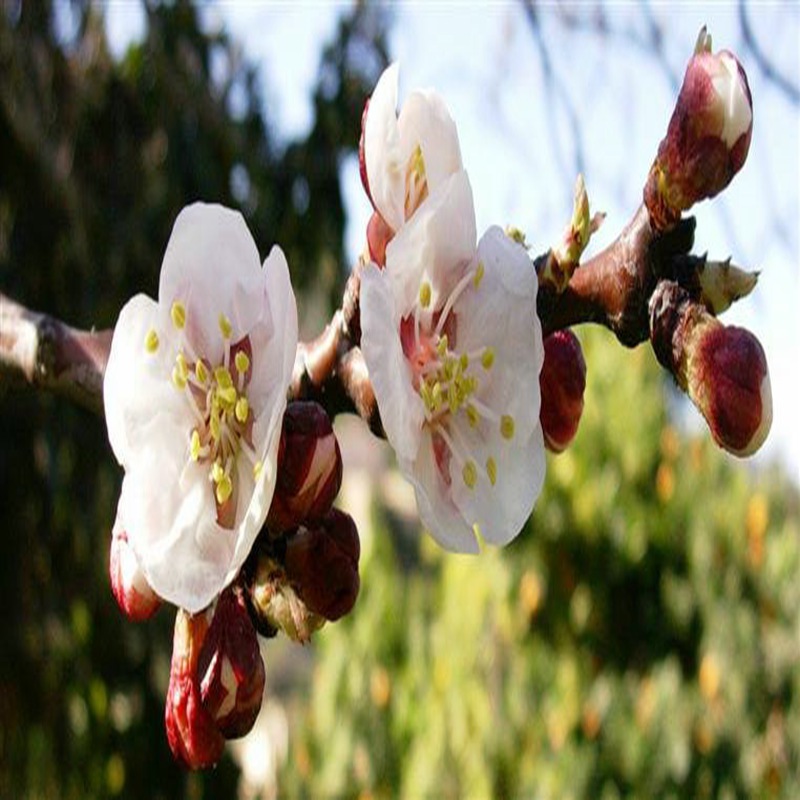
point(96, 160)
point(640, 639)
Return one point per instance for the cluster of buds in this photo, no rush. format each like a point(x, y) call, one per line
point(707, 139)
point(216, 681)
point(303, 570)
point(722, 368)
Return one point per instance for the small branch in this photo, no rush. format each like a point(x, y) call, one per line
point(44, 352)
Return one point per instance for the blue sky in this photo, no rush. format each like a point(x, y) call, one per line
point(518, 146)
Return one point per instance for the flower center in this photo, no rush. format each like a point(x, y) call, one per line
point(448, 380)
point(416, 183)
point(217, 398)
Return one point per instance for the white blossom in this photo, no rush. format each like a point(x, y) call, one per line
point(195, 391)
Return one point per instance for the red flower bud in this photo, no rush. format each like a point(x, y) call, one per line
point(562, 381)
point(722, 368)
point(728, 381)
point(322, 563)
point(707, 139)
point(193, 735)
point(309, 467)
point(131, 589)
point(230, 668)
point(379, 234)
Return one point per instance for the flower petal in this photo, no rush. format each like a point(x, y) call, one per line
point(401, 408)
point(212, 266)
point(425, 121)
point(436, 244)
point(443, 520)
point(501, 313)
point(500, 510)
point(385, 169)
point(136, 388)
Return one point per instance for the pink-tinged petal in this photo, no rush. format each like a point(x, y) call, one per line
point(500, 510)
point(424, 121)
point(437, 511)
point(436, 245)
point(136, 387)
point(501, 314)
point(212, 266)
point(130, 588)
point(401, 408)
point(385, 171)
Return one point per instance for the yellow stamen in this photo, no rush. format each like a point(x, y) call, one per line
point(201, 371)
point(217, 473)
point(151, 341)
point(507, 426)
point(223, 378)
point(178, 314)
point(478, 277)
point(242, 362)
point(441, 347)
point(487, 359)
point(213, 423)
point(425, 294)
point(227, 397)
point(194, 446)
point(473, 417)
point(178, 380)
point(470, 474)
point(224, 489)
point(225, 327)
point(491, 470)
point(242, 409)
point(183, 367)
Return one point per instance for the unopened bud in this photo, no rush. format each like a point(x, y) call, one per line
point(230, 668)
point(194, 738)
point(722, 368)
point(277, 606)
point(322, 563)
point(562, 382)
point(309, 467)
point(131, 589)
point(707, 139)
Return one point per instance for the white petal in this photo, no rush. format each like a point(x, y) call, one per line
point(400, 406)
point(436, 244)
point(385, 169)
point(212, 266)
point(425, 121)
point(501, 313)
point(439, 515)
point(170, 513)
point(137, 389)
point(501, 510)
point(730, 89)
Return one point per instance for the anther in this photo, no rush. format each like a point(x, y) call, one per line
point(178, 380)
point(491, 470)
point(478, 277)
point(151, 341)
point(201, 372)
point(242, 409)
point(242, 362)
point(487, 359)
point(470, 474)
point(507, 426)
point(225, 327)
point(178, 314)
point(425, 294)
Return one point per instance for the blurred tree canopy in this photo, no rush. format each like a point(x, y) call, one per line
point(640, 639)
point(97, 157)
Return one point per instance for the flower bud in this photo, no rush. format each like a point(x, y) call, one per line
point(131, 589)
point(322, 563)
point(707, 139)
point(722, 368)
point(277, 606)
point(230, 668)
point(309, 467)
point(379, 234)
point(193, 735)
point(562, 381)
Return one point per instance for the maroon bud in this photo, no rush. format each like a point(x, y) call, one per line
point(728, 381)
point(562, 381)
point(707, 139)
point(722, 368)
point(132, 591)
point(230, 668)
point(194, 738)
point(322, 563)
point(379, 234)
point(309, 467)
